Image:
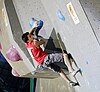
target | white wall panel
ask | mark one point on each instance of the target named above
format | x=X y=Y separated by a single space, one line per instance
x=79 y=39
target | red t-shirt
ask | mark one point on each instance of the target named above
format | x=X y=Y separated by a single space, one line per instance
x=37 y=53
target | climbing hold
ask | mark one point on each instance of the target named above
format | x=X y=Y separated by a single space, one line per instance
x=14 y=73
x=13 y=55
x=60 y=15
x=40 y=23
x=31 y=23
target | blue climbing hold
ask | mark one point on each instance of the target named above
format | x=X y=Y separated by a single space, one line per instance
x=31 y=23
x=40 y=23
x=60 y=15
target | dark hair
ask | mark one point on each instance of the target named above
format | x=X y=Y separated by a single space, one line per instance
x=25 y=37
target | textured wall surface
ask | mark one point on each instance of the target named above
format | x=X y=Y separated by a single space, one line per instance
x=80 y=39
x=13 y=26
x=92 y=10
x=32 y=9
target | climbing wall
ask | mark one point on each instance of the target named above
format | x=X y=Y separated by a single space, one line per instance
x=14 y=28
x=92 y=10
x=32 y=9
x=78 y=29
x=79 y=32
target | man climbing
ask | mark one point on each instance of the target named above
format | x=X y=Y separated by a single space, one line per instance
x=41 y=57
